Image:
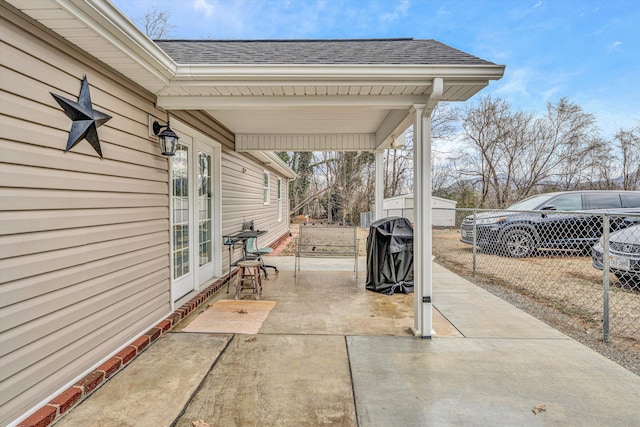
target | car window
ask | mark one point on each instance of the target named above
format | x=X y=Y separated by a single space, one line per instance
x=604 y=201
x=567 y=202
x=530 y=203
x=633 y=200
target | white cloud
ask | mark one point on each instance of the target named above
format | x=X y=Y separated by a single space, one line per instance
x=549 y=94
x=203 y=5
x=515 y=82
x=399 y=12
x=614 y=46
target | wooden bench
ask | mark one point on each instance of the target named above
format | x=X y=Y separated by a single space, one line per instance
x=326 y=241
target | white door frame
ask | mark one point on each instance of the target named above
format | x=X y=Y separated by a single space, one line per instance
x=197 y=141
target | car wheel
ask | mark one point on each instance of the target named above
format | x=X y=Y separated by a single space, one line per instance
x=518 y=243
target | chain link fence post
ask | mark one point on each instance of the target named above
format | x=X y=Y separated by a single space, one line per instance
x=606 y=262
x=473 y=268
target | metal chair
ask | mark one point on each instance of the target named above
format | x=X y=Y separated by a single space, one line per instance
x=252 y=252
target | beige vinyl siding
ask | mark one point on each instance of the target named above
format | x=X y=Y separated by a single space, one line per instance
x=84 y=241
x=242 y=197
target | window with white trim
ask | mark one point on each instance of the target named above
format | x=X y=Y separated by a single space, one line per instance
x=266 y=194
x=279 y=200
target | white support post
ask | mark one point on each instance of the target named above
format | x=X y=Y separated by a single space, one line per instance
x=422 y=268
x=379 y=194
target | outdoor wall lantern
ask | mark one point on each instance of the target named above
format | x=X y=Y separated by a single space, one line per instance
x=167 y=139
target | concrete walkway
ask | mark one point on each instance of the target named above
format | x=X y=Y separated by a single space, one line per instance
x=332 y=353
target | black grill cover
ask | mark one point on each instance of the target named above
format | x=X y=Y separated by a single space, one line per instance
x=390 y=256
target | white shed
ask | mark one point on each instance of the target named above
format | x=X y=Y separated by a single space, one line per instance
x=443 y=210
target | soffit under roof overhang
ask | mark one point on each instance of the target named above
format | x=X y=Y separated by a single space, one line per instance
x=267 y=106
x=308 y=107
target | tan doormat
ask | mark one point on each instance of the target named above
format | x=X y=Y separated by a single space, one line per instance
x=232 y=317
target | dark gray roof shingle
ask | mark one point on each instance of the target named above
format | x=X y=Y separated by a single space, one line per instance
x=314 y=52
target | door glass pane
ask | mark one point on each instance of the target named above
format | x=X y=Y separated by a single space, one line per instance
x=204 y=207
x=180 y=196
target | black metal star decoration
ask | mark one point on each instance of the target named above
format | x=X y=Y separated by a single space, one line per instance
x=86 y=120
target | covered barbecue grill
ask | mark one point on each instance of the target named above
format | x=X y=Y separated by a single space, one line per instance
x=390 y=256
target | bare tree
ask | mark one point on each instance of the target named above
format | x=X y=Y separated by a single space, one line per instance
x=602 y=169
x=300 y=194
x=563 y=140
x=398 y=165
x=628 y=142
x=155 y=24
x=444 y=121
x=500 y=156
x=489 y=129
x=399 y=161
x=514 y=154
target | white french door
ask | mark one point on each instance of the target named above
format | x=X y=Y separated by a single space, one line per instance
x=194 y=201
x=204 y=189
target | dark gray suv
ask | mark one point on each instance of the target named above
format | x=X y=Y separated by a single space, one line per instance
x=556 y=222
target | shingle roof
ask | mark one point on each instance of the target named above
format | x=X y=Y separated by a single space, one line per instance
x=315 y=52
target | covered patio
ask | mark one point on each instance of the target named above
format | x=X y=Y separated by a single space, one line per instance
x=332 y=353
x=290 y=95
x=332 y=95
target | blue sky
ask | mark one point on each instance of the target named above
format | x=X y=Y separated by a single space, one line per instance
x=586 y=50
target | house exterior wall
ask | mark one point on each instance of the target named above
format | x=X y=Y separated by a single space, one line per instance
x=84 y=241
x=242 y=200
x=242 y=197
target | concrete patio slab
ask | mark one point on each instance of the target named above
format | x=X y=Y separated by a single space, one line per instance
x=333 y=353
x=340 y=305
x=287 y=263
x=476 y=313
x=277 y=380
x=484 y=315
x=444 y=280
x=153 y=389
x=488 y=382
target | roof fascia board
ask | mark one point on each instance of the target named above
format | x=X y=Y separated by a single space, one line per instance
x=214 y=82
x=279 y=101
x=300 y=82
x=106 y=20
x=330 y=72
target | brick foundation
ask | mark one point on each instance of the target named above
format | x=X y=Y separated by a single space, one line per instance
x=279 y=244
x=69 y=398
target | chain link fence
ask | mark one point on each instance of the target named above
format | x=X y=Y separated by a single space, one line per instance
x=578 y=272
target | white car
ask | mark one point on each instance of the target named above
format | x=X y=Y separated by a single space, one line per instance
x=624 y=255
